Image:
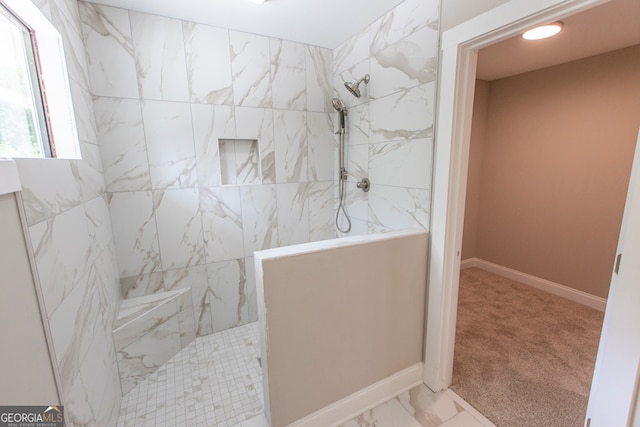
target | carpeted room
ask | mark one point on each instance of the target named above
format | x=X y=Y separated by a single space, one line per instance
x=549 y=165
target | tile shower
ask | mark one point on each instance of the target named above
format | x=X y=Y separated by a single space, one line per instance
x=148 y=209
x=187 y=213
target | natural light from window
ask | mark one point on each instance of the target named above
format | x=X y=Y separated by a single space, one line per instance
x=36 y=110
x=21 y=107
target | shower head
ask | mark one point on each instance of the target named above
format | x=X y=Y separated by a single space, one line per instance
x=354 y=88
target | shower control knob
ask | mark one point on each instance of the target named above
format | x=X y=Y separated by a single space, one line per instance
x=364 y=185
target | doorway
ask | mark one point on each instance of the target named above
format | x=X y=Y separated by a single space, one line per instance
x=459 y=56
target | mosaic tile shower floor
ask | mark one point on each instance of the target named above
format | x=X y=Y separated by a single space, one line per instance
x=214 y=381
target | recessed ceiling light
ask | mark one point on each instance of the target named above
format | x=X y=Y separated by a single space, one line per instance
x=543 y=31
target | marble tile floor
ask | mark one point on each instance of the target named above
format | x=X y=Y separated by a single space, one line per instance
x=214 y=381
x=217 y=381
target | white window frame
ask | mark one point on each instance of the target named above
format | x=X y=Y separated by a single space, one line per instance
x=54 y=81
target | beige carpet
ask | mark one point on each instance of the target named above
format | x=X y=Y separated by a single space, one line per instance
x=523 y=357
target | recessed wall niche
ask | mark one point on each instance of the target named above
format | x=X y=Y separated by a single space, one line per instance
x=239 y=161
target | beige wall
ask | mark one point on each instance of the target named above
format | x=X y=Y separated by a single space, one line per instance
x=555 y=167
x=338 y=316
x=26 y=369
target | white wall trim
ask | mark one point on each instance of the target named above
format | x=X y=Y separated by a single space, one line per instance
x=536 y=282
x=469 y=263
x=353 y=405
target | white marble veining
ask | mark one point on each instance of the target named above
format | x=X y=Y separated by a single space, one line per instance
x=83 y=111
x=428 y=408
x=109 y=48
x=44 y=198
x=248 y=161
x=357 y=162
x=318 y=78
x=81 y=306
x=122 y=144
x=210 y=124
x=98 y=221
x=92 y=392
x=321 y=211
x=66 y=18
x=288 y=75
x=135 y=233
x=149 y=331
x=403 y=115
x=251 y=67
x=160 y=60
x=252 y=298
x=239 y=161
x=186 y=319
x=357 y=201
x=62 y=252
x=145 y=345
x=402 y=163
x=133 y=310
x=89 y=171
x=352 y=51
x=208 y=63
x=407 y=63
x=145 y=284
x=293 y=213
x=320 y=145
x=227 y=294
x=257 y=123
x=170 y=144
x=420 y=407
x=179 y=227
x=202 y=299
x=259 y=217
x=403 y=21
x=291 y=145
x=390 y=413
x=358 y=123
x=222 y=223
x=399 y=207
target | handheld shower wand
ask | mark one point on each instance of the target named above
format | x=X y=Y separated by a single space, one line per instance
x=342 y=171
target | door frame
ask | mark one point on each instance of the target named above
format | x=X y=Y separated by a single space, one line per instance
x=458 y=58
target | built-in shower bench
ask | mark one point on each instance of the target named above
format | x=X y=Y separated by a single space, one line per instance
x=149 y=330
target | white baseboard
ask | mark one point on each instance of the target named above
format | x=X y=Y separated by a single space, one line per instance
x=469 y=263
x=536 y=282
x=363 y=400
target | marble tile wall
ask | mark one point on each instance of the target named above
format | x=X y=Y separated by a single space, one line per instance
x=150 y=330
x=68 y=218
x=178 y=89
x=389 y=134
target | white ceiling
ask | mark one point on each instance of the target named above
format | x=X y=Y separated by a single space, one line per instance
x=598 y=30
x=325 y=23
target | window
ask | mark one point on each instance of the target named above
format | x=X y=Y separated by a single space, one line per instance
x=36 y=111
x=23 y=127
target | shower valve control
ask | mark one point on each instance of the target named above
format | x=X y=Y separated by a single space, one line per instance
x=364 y=185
